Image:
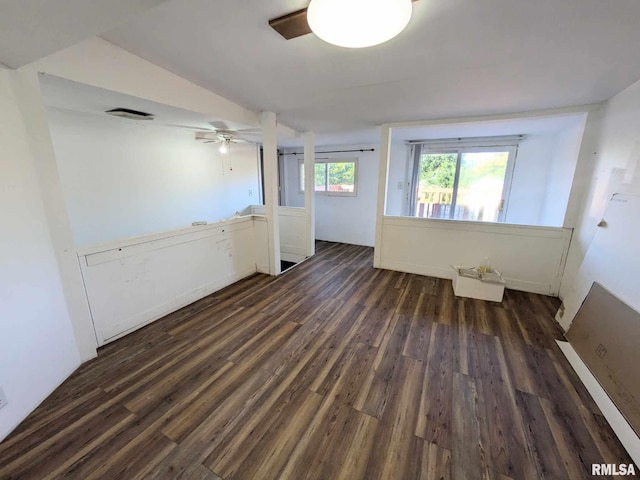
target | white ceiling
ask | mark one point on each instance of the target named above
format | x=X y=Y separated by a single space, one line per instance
x=543 y=125
x=69 y=95
x=457 y=58
x=32 y=29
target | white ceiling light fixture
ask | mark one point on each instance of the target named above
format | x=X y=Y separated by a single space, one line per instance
x=224 y=146
x=358 y=23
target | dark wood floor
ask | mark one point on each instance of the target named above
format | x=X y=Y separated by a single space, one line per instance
x=334 y=370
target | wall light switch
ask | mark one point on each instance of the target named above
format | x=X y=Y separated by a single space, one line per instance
x=400 y=185
x=251 y=193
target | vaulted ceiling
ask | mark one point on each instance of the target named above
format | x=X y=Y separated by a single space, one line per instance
x=32 y=29
x=456 y=58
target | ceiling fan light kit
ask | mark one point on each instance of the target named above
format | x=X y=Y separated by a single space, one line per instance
x=358 y=23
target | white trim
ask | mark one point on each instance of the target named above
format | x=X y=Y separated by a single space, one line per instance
x=552 y=112
x=145 y=239
x=309 y=197
x=269 y=123
x=461 y=142
x=383 y=180
x=473 y=226
x=630 y=441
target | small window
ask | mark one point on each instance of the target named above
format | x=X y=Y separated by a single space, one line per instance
x=466 y=183
x=332 y=177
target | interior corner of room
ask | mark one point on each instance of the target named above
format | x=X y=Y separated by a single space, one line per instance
x=112 y=222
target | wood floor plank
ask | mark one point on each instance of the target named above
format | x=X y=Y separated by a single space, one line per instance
x=434 y=419
x=393 y=454
x=435 y=463
x=465 y=431
x=182 y=461
x=265 y=451
x=203 y=473
x=331 y=370
x=354 y=453
x=419 y=335
x=543 y=451
x=44 y=456
x=374 y=400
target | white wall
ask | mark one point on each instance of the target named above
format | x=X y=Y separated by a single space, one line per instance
x=37 y=345
x=399 y=183
x=609 y=163
x=341 y=219
x=531 y=174
x=560 y=180
x=123 y=178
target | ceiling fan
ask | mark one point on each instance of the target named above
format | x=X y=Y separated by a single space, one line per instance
x=294 y=24
x=225 y=136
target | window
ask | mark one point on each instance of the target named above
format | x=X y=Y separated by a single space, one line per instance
x=462 y=182
x=332 y=177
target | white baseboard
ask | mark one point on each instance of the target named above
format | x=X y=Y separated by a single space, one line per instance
x=622 y=429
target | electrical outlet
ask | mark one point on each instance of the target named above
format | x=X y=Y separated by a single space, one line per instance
x=3 y=399
x=250 y=193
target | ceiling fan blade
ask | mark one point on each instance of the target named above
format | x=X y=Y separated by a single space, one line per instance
x=219 y=125
x=294 y=24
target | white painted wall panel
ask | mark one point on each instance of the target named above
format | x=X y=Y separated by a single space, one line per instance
x=261 y=244
x=530 y=258
x=132 y=283
x=294 y=233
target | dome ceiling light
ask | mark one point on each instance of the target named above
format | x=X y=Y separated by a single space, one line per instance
x=358 y=23
x=348 y=23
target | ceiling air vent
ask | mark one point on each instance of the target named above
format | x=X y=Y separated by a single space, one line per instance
x=131 y=114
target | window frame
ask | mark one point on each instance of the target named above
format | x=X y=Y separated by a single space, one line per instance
x=327 y=192
x=464 y=147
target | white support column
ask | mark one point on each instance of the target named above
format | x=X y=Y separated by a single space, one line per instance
x=270 y=158
x=309 y=188
x=27 y=87
x=383 y=176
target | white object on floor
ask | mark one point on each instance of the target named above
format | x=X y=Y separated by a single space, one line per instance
x=475 y=288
